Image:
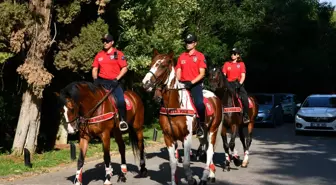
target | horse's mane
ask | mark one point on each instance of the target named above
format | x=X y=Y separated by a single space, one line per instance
x=72 y=91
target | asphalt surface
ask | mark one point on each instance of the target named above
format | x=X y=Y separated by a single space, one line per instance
x=277 y=156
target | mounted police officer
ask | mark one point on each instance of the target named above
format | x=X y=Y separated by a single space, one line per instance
x=235 y=72
x=112 y=66
x=190 y=70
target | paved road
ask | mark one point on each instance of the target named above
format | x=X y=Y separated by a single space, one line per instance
x=277 y=157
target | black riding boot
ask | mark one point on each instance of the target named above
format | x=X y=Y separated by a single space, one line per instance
x=200 y=129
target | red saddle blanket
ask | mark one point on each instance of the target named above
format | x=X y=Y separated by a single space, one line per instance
x=209 y=109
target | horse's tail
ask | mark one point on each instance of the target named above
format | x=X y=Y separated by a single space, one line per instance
x=134 y=141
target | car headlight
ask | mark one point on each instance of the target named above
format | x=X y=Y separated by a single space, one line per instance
x=298 y=116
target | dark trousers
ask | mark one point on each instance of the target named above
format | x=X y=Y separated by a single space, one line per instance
x=243 y=94
x=118 y=93
x=197 y=95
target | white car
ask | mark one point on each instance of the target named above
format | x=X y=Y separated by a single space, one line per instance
x=317 y=113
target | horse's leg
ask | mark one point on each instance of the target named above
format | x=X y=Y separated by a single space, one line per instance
x=186 y=160
x=172 y=158
x=248 y=144
x=232 y=144
x=107 y=159
x=83 y=145
x=143 y=169
x=121 y=146
x=209 y=170
x=242 y=137
x=226 y=149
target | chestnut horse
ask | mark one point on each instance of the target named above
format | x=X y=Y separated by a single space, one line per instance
x=178 y=116
x=232 y=110
x=92 y=111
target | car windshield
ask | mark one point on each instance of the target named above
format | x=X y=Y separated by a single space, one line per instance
x=264 y=99
x=329 y=102
x=286 y=99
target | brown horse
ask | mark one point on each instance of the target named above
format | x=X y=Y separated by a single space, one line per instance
x=178 y=116
x=232 y=110
x=91 y=110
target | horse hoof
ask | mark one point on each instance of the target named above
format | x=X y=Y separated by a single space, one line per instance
x=192 y=182
x=212 y=179
x=237 y=162
x=244 y=165
x=144 y=172
x=202 y=182
x=121 y=178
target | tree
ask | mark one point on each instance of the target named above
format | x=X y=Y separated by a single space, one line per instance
x=33 y=71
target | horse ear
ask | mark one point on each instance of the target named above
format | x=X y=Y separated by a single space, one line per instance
x=155 y=52
x=171 y=53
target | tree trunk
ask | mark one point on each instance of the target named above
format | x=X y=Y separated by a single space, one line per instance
x=37 y=78
x=28 y=125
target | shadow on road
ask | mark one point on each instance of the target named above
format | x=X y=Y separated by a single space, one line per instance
x=308 y=157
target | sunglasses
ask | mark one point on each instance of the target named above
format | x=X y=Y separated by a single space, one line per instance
x=190 y=42
x=105 y=41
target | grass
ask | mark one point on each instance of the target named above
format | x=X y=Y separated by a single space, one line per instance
x=11 y=165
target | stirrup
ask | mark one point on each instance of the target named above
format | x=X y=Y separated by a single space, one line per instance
x=123 y=123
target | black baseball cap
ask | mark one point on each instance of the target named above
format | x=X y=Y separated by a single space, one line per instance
x=190 y=38
x=107 y=37
x=235 y=50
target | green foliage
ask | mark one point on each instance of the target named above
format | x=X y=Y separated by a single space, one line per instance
x=78 y=54
x=14 y=17
x=154 y=24
x=4 y=56
x=66 y=13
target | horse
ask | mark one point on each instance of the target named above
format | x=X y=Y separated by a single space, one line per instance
x=92 y=111
x=232 y=110
x=178 y=116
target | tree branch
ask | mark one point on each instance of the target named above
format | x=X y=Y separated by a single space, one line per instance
x=53 y=40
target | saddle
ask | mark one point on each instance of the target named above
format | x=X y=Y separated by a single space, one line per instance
x=238 y=108
x=188 y=107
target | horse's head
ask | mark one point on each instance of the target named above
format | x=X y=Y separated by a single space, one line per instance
x=70 y=110
x=70 y=103
x=160 y=69
x=216 y=78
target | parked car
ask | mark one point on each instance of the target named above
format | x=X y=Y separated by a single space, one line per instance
x=317 y=113
x=270 y=110
x=288 y=102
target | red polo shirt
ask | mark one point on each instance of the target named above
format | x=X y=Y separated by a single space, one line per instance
x=233 y=71
x=109 y=67
x=190 y=65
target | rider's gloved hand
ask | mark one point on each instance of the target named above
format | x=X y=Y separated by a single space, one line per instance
x=187 y=84
x=115 y=83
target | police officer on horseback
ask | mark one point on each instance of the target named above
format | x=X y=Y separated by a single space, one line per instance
x=235 y=72
x=112 y=66
x=190 y=71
